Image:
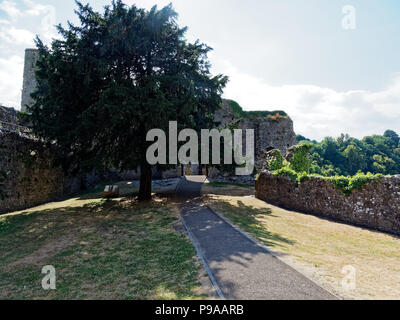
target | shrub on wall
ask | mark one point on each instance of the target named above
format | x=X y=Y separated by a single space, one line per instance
x=300 y=157
x=342 y=183
x=286 y=171
x=275 y=160
x=299 y=166
x=240 y=113
x=357 y=182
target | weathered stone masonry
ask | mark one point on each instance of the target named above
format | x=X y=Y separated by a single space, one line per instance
x=377 y=206
x=28 y=174
x=269 y=134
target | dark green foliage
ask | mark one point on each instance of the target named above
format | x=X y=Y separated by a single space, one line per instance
x=346 y=155
x=301 y=138
x=237 y=109
x=356 y=182
x=286 y=171
x=393 y=136
x=113 y=78
x=342 y=183
x=275 y=160
x=300 y=160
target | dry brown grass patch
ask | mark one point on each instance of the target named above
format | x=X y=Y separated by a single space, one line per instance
x=318 y=247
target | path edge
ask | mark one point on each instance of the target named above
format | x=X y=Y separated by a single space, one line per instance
x=269 y=251
x=203 y=259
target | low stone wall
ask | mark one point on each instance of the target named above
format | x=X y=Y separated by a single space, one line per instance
x=377 y=206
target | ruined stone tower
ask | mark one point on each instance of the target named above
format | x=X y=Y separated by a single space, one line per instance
x=271 y=132
x=29 y=82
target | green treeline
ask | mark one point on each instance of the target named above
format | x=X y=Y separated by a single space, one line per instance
x=297 y=166
x=346 y=155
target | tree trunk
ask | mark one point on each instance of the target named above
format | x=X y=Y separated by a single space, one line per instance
x=145 y=182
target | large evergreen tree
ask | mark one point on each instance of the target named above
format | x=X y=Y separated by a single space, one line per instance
x=113 y=78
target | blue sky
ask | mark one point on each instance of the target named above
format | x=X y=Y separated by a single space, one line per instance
x=284 y=54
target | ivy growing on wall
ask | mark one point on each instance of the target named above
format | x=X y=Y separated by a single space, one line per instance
x=297 y=167
x=345 y=184
x=356 y=182
x=299 y=157
x=275 y=160
x=240 y=113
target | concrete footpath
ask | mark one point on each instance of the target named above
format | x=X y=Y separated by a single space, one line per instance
x=238 y=267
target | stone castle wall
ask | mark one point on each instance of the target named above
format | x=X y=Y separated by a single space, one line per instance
x=28 y=176
x=377 y=206
x=269 y=134
x=8 y=117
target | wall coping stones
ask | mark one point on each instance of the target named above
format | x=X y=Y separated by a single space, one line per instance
x=376 y=206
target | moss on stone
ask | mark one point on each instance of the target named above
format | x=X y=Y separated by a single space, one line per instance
x=240 y=113
x=345 y=184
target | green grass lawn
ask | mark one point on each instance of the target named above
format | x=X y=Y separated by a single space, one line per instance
x=116 y=249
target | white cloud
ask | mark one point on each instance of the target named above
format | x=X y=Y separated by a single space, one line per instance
x=24 y=20
x=11 y=71
x=17 y=36
x=319 y=112
x=47 y=15
x=35 y=9
x=10 y=8
x=23 y=25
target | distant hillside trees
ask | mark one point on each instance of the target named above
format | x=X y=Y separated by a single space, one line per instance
x=347 y=156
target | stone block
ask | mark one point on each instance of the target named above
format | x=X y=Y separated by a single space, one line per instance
x=111 y=191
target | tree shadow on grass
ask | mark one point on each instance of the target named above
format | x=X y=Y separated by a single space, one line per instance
x=247 y=218
x=228 y=189
x=111 y=242
x=127 y=190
